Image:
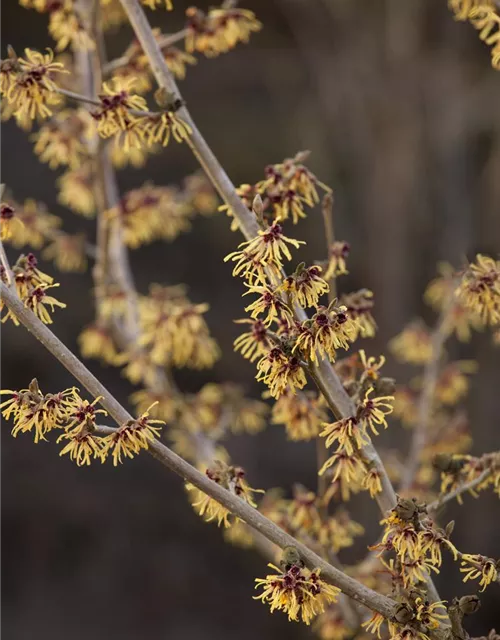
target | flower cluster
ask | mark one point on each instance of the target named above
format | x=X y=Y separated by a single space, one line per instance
x=124 y=115
x=32 y=286
x=458 y=470
x=132 y=437
x=174 y=331
x=152 y=213
x=9 y=221
x=301 y=517
x=62 y=139
x=350 y=435
x=28 y=85
x=413 y=344
x=33 y=411
x=296 y=591
x=479 y=289
x=359 y=306
x=230 y=478
x=137 y=66
x=66 y=23
x=417 y=544
x=302 y=414
x=219 y=408
x=34 y=224
x=287 y=189
x=219 y=30
x=459 y=319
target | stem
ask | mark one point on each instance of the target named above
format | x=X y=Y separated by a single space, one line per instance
x=327 y=211
x=96 y=102
x=321 y=449
x=164 y=42
x=6 y=265
x=435 y=506
x=430 y=378
x=168 y=458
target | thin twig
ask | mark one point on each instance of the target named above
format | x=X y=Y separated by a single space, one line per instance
x=435 y=506
x=233 y=503
x=78 y=97
x=164 y=41
x=321 y=448
x=424 y=409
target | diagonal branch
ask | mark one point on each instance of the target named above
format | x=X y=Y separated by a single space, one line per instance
x=435 y=506
x=236 y=505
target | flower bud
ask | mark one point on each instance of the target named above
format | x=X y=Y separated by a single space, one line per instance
x=469 y=605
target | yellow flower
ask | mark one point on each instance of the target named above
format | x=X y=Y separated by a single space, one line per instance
x=132 y=437
x=359 y=306
x=231 y=478
x=219 y=30
x=413 y=344
x=82 y=446
x=160 y=404
x=331 y=625
x=269 y=247
x=332 y=329
x=151 y=213
x=479 y=289
x=68 y=252
x=176 y=333
x=28 y=277
x=159 y=128
x=81 y=413
x=254 y=343
x=477 y=566
x=200 y=193
x=338 y=532
x=372 y=482
x=417 y=570
x=373 y=411
x=300 y=413
x=297 y=592
x=338 y=253
x=239 y=534
x=269 y=303
x=280 y=372
x=347 y=433
x=374 y=624
x=114 y=115
x=38 y=301
x=77 y=188
x=28 y=85
x=67 y=28
x=152 y=4
x=9 y=221
x=96 y=341
x=33 y=411
x=305 y=286
x=61 y=141
x=37 y=225
x=426 y=612
x=348 y=467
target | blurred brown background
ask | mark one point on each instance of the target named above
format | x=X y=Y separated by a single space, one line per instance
x=400 y=108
